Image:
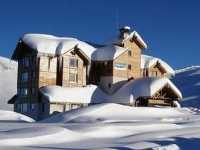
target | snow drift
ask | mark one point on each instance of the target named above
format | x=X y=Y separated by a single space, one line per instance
x=13 y=116
x=8 y=82
x=116 y=113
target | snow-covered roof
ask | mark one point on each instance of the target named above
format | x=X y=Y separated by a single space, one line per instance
x=88 y=94
x=93 y=94
x=137 y=37
x=109 y=52
x=149 y=61
x=50 y=44
x=149 y=87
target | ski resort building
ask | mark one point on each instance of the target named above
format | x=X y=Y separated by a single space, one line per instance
x=57 y=74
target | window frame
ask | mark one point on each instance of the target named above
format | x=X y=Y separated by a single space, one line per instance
x=129 y=67
x=75 y=62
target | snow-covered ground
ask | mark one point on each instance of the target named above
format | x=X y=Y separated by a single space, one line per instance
x=8 y=82
x=104 y=126
x=107 y=126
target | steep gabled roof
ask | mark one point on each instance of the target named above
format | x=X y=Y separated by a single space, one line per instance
x=149 y=61
x=136 y=36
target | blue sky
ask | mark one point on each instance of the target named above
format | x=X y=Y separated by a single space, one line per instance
x=171 y=28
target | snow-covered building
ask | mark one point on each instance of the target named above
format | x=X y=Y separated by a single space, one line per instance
x=63 y=73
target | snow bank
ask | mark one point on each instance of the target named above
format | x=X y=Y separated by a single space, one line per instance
x=149 y=61
x=50 y=44
x=13 y=116
x=38 y=135
x=115 y=113
x=8 y=82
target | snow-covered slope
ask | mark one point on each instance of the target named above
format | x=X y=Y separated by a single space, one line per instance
x=13 y=116
x=8 y=82
x=188 y=81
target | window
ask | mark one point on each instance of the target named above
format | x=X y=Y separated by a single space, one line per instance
x=129 y=66
x=24 y=92
x=43 y=107
x=33 y=107
x=109 y=85
x=73 y=62
x=75 y=106
x=154 y=74
x=129 y=53
x=18 y=91
x=24 y=76
x=33 y=91
x=33 y=75
x=24 y=107
x=120 y=66
x=26 y=61
x=73 y=77
x=18 y=107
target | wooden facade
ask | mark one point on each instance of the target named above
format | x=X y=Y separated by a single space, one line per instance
x=74 y=69
x=36 y=70
x=110 y=75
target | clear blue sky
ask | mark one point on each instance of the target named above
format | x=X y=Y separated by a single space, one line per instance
x=171 y=28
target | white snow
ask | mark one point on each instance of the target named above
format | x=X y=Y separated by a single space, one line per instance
x=149 y=86
x=8 y=82
x=73 y=95
x=188 y=81
x=136 y=35
x=149 y=61
x=112 y=112
x=13 y=116
x=50 y=44
x=109 y=52
x=107 y=126
x=93 y=94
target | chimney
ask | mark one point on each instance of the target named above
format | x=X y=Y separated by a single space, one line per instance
x=124 y=32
